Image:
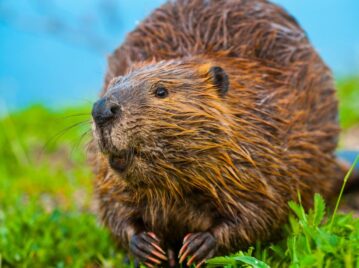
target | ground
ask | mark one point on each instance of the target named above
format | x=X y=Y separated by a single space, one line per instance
x=47 y=212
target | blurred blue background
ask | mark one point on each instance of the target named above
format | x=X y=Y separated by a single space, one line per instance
x=54 y=51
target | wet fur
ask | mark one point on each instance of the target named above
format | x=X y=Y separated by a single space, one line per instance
x=225 y=164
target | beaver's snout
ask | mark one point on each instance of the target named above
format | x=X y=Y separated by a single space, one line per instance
x=105 y=110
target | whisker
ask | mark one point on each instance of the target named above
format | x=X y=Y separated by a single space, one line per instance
x=78 y=143
x=74 y=115
x=62 y=133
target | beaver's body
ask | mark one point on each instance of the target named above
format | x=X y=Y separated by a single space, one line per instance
x=199 y=159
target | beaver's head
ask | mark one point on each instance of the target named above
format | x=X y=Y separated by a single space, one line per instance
x=160 y=123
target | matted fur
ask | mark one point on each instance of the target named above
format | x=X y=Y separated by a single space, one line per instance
x=225 y=164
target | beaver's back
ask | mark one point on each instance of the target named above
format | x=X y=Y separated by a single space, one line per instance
x=242 y=28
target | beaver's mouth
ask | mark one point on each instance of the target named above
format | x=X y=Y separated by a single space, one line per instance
x=122 y=160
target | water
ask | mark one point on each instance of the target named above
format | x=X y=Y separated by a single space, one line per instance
x=54 y=52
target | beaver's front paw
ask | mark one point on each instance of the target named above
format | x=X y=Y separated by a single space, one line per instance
x=145 y=247
x=200 y=246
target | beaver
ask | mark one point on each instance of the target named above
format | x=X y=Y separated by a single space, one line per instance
x=213 y=115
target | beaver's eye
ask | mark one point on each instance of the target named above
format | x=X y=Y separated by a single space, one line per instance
x=161 y=92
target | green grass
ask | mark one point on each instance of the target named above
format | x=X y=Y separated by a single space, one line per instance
x=46 y=217
x=348 y=93
x=47 y=214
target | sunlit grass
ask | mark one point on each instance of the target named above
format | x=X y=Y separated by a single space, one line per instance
x=348 y=93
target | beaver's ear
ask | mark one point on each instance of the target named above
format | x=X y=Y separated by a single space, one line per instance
x=220 y=80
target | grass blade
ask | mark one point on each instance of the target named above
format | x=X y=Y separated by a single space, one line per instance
x=342 y=190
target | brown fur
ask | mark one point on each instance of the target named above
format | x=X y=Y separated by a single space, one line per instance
x=204 y=162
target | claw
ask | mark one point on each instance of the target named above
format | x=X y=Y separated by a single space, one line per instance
x=190 y=261
x=199 y=264
x=187 y=240
x=145 y=248
x=183 y=249
x=186 y=237
x=159 y=255
x=183 y=257
x=153 y=236
x=153 y=260
x=200 y=246
x=158 y=248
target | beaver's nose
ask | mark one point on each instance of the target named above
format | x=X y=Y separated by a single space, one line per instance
x=104 y=110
